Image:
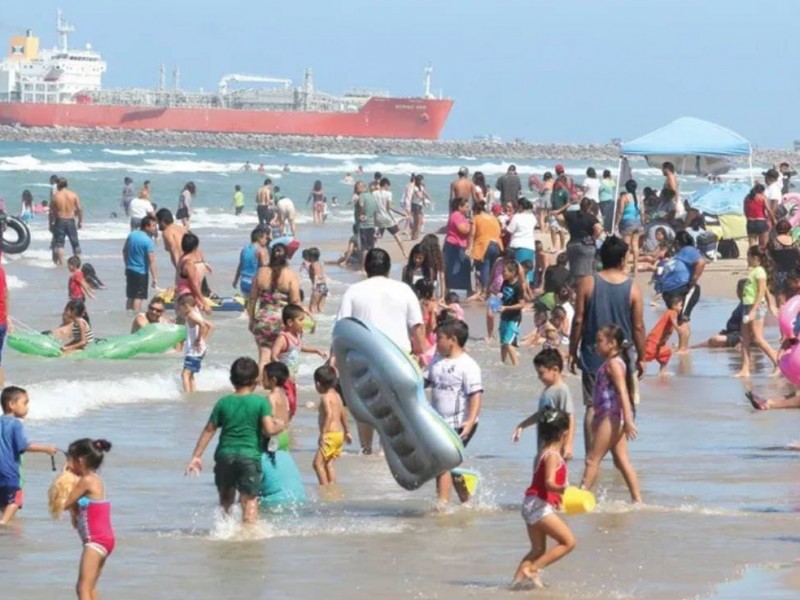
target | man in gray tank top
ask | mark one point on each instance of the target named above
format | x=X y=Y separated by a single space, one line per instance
x=609 y=297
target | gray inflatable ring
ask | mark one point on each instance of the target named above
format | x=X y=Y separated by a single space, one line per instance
x=23 y=235
x=384 y=388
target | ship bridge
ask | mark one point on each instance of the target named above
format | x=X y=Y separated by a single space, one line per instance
x=60 y=75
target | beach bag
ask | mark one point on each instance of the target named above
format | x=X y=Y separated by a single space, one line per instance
x=728 y=249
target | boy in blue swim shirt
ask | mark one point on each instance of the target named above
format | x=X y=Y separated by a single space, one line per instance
x=13 y=444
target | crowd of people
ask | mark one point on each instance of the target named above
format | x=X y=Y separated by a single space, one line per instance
x=580 y=286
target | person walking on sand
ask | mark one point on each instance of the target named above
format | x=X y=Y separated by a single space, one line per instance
x=754 y=296
x=607 y=297
x=65 y=218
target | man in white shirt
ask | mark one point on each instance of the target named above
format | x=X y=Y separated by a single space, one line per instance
x=772 y=179
x=391 y=306
x=138 y=209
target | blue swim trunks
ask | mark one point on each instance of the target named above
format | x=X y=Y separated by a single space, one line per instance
x=193 y=363
x=509 y=331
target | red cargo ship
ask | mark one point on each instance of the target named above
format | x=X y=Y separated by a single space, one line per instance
x=63 y=88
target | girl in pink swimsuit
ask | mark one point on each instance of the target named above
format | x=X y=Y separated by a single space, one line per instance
x=91 y=512
x=613 y=424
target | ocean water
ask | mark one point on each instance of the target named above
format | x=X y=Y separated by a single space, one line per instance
x=720 y=482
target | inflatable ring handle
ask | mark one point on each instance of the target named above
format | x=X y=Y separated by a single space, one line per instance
x=23 y=235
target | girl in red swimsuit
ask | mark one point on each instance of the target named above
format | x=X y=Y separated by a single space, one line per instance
x=543 y=498
x=91 y=512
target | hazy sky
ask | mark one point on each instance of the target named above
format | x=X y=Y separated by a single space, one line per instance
x=564 y=71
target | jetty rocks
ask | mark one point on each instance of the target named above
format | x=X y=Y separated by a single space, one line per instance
x=338 y=145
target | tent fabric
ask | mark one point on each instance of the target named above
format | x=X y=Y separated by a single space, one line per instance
x=688 y=136
x=720 y=198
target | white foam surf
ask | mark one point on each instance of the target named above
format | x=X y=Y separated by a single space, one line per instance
x=68 y=398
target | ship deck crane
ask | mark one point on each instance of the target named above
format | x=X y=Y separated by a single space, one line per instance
x=240 y=78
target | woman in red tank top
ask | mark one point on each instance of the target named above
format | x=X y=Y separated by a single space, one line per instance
x=759 y=216
x=543 y=497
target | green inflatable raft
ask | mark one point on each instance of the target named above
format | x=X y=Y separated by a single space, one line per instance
x=151 y=339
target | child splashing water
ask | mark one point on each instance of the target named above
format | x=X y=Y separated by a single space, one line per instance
x=88 y=499
x=613 y=424
x=542 y=499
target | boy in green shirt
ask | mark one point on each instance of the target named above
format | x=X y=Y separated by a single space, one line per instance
x=244 y=419
x=238 y=200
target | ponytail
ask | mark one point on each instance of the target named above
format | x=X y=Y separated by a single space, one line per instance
x=90 y=451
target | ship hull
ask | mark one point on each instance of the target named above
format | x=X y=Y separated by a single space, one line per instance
x=410 y=118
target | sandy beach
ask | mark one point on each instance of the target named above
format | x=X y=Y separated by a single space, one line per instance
x=718 y=479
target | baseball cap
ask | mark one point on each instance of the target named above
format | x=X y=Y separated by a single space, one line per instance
x=463 y=171
x=559 y=169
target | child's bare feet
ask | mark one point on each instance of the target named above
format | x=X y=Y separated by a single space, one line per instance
x=742 y=374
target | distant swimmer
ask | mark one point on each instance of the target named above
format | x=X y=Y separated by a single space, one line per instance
x=261 y=168
x=65 y=218
x=360 y=170
x=463 y=186
x=334 y=201
x=247 y=166
x=127 y=194
x=286 y=168
x=184 y=212
x=348 y=179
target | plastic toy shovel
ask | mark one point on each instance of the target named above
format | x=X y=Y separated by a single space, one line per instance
x=576 y=501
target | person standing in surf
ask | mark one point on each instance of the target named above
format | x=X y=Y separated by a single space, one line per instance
x=65 y=218
x=184 y=212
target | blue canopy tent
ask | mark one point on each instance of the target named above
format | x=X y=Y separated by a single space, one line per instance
x=694 y=146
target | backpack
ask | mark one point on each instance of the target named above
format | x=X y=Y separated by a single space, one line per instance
x=728 y=249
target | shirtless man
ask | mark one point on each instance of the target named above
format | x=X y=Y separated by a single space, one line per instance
x=172 y=234
x=264 y=203
x=64 y=210
x=463 y=186
x=154 y=314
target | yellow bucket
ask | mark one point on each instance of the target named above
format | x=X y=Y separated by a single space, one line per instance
x=576 y=501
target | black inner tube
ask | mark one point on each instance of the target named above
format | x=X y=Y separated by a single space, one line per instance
x=23 y=235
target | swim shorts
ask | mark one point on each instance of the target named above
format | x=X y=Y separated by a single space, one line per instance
x=416 y=209
x=238 y=472
x=265 y=214
x=182 y=213
x=732 y=338
x=320 y=288
x=367 y=239
x=332 y=444
x=460 y=430
x=135 y=285
x=10 y=495
x=63 y=229
x=193 y=363
x=534 y=509
x=509 y=332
